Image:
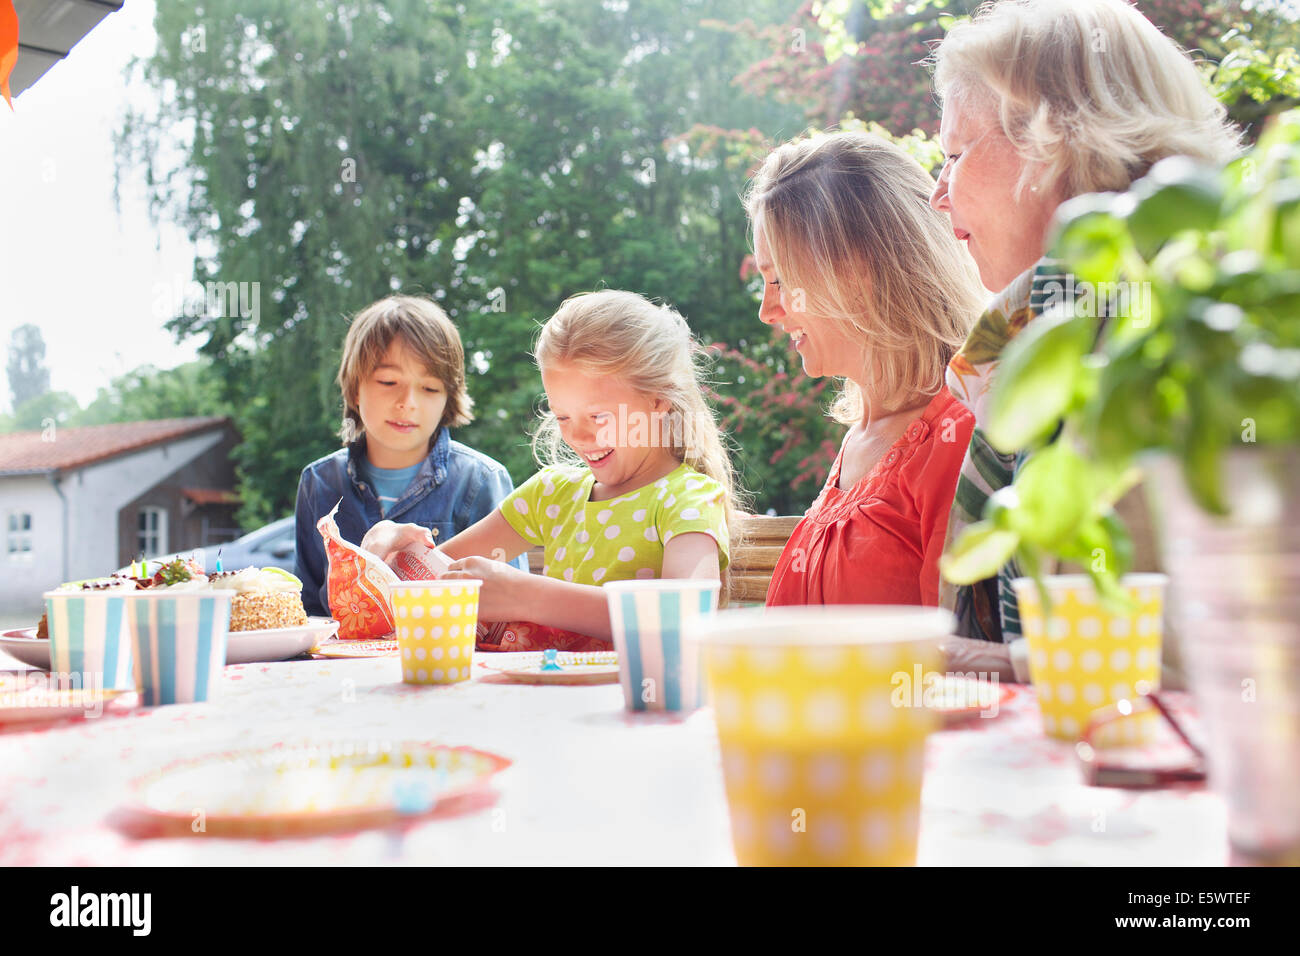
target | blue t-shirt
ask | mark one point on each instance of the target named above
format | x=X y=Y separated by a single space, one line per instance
x=453 y=488
x=389 y=483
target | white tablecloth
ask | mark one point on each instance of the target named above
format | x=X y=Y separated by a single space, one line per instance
x=590 y=784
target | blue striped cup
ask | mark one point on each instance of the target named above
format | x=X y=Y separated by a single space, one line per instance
x=179 y=643
x=657 y=670
x=88 y=637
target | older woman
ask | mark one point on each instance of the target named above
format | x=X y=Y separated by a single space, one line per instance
x=1042 y=101
x=873 y=288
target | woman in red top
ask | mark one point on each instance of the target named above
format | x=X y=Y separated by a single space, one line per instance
x=872 y=286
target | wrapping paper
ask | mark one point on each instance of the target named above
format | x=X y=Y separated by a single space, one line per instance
x=359 y=584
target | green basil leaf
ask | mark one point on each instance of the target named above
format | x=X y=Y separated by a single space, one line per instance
x=1125 y=417
x=1092 y=238
x=978 y=553
x=1054 y=491
x=1175 y=196
x=1202 y=454
x=1036 y=379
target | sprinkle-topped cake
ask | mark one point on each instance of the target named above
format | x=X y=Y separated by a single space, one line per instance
x=265 y=598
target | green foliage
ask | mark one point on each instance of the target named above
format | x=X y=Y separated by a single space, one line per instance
x=143 y=394
x=149 y=393
x=37 y=412
x=1213 y=364
x=495 y=157
x=844 y=58
x=1258 y=71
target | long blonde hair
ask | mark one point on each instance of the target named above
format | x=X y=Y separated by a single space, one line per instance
x=650 y=347
x=1089 y=91
x=848 y=222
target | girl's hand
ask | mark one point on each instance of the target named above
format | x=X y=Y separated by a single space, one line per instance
x=386 y=538
x=503 y=594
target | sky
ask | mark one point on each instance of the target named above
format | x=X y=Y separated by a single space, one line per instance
x=89 y=276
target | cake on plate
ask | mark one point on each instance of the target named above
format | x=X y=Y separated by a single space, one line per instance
x=265 y=598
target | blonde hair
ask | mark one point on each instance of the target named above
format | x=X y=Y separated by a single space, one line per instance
x=1088 y=91
x=424 y=329
x=848 y=222
x=650 y=347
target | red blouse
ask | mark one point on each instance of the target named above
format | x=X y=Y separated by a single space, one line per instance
x=879 y=542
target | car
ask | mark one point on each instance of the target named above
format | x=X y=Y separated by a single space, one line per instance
x=271 y=546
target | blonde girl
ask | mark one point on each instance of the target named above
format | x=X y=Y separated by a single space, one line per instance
x=635 y=481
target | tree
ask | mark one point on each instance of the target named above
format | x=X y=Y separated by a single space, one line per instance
x=146 y=393
x=28 y=376
x=496 y=159
x=143 y=394
x=863 y=57
x=39 y=411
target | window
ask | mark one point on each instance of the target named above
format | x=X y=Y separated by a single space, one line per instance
x=151 y=536
x=19 y=536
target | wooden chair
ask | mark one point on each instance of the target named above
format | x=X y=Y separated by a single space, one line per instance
x=755 y=560
x=751 y=565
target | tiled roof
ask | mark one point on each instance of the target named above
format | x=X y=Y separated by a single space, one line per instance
x=211 y=496
x=70 y=448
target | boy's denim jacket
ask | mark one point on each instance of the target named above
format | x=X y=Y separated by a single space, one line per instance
x=455 y=487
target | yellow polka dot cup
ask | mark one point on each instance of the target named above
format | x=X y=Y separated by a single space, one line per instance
x=822 y=750
x=1084 y=656
x=436 y=621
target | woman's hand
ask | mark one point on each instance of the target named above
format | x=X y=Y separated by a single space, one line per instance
x=503 y=594
x=387 y=538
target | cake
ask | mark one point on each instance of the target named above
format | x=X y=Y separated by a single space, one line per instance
x=177 y=573
x=265 y=598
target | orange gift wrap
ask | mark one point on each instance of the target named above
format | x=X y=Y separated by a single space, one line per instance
x=360 y=586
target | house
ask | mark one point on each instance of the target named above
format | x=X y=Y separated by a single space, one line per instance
x=80 y=502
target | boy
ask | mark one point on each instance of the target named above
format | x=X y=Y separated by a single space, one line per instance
x=403 y=382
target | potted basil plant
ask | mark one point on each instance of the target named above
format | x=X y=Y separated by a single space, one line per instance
x=1176 y=353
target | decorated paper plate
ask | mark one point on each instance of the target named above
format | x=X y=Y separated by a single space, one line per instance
x=24 y=645
x=958 y=698
x=309 y=788
x=33 y=704
x=357 y=649
x=279 y=644
x=526 y=667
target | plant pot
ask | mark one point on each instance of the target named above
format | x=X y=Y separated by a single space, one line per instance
x=1234 y=599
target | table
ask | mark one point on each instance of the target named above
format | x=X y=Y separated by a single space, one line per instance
x=590 y=784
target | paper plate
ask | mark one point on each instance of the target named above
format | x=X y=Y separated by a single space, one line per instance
x=357 y=649
x=957 y=698
x=525 y=667
x=278 y=644
x=33 y=704
x=308 y=788
x=24 y=645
